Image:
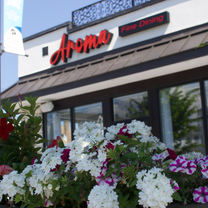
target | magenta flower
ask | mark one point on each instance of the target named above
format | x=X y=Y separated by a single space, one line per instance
x=161 y=156
x=179 y=164
x=110 y=181
x=199 y=161
x=201 y=195
x=204 y=170
x=175 y=185
x=48 y=202
x=189 y=167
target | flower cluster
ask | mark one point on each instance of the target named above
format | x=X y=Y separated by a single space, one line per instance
x=156 y=190
x=120 y=166
x=103 y=196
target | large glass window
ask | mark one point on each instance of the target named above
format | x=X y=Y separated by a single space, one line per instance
x=181 y=118
x=92 y=112
x=131 y=106
x=206 y=91
x=59 y=124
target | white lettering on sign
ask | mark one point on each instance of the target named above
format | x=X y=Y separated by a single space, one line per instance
x=14 y=3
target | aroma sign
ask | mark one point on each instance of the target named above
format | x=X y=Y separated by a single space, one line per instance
x=68 y=46
x=144 y=24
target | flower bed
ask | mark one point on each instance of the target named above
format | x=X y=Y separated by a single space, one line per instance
x=124 y=167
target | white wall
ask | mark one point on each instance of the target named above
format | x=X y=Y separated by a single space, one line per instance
x=183 y=14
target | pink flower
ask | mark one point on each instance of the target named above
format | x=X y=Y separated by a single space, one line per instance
x=159 y=156
x=179 y=164
x=199 y=161
x=204 y=170
x=176 y=186
x=48 y=202
x=5 y=170
x=110 y=181
x=189 y=167
x=201 y=195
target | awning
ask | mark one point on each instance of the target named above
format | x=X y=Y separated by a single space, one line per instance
x=167 y=50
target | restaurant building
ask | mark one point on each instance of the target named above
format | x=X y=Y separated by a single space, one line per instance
x=120 y=60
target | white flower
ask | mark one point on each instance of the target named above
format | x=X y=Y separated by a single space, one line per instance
x=103 y=197
x=50 y=158
x=102 y=156
x=155 y=187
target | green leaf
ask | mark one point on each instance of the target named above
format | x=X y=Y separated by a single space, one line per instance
x=20 y=118
x=41 y=141
x=117 y=164
x=202 y=45
x=130 y=155
x=118 y=172
x=126 y=197
x=23 y=205
x=76 y=197
x=109 y=172
x=133 y=183
x=31 y=206
x=176 y=196
x=147 y=159
x=123 y=138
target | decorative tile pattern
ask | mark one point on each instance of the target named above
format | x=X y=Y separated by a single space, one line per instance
x=103 y=9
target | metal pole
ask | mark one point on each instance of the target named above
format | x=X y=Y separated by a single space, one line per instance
x=1 y=50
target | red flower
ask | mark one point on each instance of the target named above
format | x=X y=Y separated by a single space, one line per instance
x=5 y=128
x=33 y=160
x=5 y=170
x=54 y=142
x=172 y=154
x=110 y=146
x=124 y=133
x=65 y=156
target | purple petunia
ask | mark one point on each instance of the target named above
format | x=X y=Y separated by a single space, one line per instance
x=201 y=195
x=161 y=156
x=189 y=167
x=179 y=164
x=204 y=170
x=175 y=185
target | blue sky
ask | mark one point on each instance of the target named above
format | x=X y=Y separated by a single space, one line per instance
x=38 y=15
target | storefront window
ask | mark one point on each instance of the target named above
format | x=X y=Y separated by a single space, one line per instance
x=181 y=118
x=92 y=112
x=59 y=124
x=131 y=106
x=206 y=90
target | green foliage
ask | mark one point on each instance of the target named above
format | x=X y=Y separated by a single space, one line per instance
x=183 y=109
x=202 y=45
x=20 y=147
x=136 y=109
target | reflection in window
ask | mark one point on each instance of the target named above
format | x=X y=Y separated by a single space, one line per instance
x=92 y=112
x=59 y=124
x=131 y=106
x=206 y=90
x=181 y=118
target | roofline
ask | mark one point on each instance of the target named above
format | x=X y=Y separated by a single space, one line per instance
x=73 y=28
x=115 y=51
x=44 y=32
x=176 y=58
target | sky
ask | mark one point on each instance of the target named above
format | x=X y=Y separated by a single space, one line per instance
x=38 y=15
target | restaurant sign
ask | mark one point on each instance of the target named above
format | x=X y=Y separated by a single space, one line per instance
x=68 y=46
x=144 y=24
